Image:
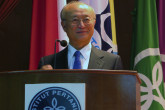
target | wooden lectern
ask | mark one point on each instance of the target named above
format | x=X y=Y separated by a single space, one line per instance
x=105 y=89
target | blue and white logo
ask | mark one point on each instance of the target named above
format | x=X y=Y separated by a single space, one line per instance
x=54 y=98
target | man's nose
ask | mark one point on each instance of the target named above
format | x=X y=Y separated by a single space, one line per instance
x=81 y=24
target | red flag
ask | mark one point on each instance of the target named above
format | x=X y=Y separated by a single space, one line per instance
x=44 y=30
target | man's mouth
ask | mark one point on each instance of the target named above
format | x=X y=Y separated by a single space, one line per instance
x=81 y=32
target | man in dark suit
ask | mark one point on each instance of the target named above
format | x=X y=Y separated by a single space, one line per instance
x=78 y=21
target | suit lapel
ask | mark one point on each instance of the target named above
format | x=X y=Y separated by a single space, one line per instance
x=95 y=61
x=62 y=59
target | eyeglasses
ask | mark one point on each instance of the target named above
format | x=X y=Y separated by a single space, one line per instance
x=76 y=21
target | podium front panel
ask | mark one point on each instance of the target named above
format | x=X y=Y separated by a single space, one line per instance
x=105 y=90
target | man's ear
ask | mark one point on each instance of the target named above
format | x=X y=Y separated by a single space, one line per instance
x=95 y=22
x=63 y=24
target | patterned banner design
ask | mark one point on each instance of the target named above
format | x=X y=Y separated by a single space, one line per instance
x=146 y=55
x=104 y=28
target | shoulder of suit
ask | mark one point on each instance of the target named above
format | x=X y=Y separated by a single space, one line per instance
x=103 y=53
x=59 y=53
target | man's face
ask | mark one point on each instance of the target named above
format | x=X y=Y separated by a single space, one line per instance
x=79 y=24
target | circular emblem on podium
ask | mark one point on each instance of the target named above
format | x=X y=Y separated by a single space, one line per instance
x=54 y=98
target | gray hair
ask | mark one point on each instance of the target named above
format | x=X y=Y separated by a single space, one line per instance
x=62 y=14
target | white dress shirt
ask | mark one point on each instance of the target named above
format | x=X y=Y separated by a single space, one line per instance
x=84 y=58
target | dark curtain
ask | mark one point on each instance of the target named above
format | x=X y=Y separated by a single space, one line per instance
x=6 y=7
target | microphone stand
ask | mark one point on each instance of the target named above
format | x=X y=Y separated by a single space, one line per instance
x=62 y=43
x=55 y=54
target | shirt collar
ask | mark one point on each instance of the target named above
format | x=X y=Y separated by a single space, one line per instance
x=85 y=51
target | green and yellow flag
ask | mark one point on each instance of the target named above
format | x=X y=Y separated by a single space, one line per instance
x=145 y=58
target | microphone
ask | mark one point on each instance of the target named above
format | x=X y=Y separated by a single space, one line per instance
x=63 y=43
